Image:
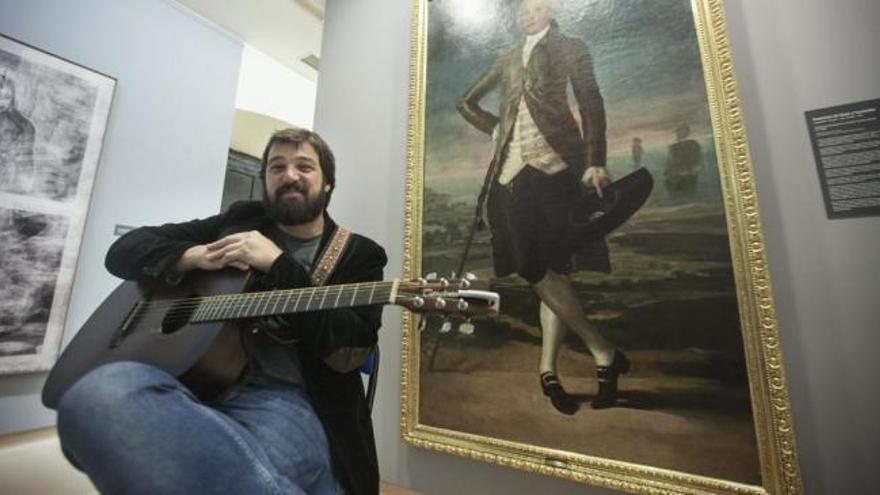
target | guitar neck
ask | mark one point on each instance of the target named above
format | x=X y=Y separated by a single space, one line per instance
x=279 y=302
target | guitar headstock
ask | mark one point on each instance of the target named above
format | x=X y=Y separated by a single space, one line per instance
x=461 y=297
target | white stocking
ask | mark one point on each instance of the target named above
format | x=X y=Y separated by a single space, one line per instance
x=552 y=333
x=557 y=293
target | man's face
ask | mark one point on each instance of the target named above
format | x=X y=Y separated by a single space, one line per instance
x=535 y=15
x=6 y=96
x=295 y=188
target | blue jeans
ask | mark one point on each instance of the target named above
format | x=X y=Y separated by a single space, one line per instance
x=135 y=429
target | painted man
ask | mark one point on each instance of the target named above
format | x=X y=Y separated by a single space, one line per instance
x=541 y=156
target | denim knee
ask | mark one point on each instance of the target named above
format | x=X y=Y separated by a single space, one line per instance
x=107 y=392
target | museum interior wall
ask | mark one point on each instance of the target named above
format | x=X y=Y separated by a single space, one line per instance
x=791 y=56
x=165 y=149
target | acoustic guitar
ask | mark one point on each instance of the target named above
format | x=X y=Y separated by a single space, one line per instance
x=193 y=330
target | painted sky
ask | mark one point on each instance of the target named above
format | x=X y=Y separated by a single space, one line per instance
x=646 y=57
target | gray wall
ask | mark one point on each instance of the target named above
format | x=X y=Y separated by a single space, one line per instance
x=164 y=153
x=792 y=56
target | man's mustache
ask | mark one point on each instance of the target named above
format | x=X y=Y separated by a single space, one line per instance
x=294 y=186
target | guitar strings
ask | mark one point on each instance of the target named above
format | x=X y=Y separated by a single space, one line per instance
x=249 y=297
x=275 y=296
x=236 y=301
x=237 y=310
x=176 y=315
x=183 y=309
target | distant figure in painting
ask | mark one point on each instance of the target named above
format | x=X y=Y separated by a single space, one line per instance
x=541 y=156
x=637 y=152
x=683 y=164
x=16 y=143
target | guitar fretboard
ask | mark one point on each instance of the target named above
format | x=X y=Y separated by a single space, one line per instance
x=277 y=302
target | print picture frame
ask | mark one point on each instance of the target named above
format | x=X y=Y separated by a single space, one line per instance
x=53 y=117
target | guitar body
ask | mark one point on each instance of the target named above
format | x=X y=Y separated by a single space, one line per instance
x=135 y=323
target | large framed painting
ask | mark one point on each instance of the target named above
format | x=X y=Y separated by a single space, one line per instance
x=587 y=160
x=53 y=113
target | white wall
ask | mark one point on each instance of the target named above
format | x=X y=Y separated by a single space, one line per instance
x=792 y=56
x=269 y=88
x=164 y=153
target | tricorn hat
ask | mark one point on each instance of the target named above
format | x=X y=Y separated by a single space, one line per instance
x=592 y=218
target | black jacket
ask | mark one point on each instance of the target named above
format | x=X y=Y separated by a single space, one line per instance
x=336 y=391
x=556 y=61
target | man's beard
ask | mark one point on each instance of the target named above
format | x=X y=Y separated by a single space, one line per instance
x=295 y=212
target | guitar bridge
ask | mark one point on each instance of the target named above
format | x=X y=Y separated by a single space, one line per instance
x=125 y=329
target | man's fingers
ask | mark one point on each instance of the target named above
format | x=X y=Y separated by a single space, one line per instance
x=240 y=265
x=223 y=242
x=222 y=251
x=232 y=254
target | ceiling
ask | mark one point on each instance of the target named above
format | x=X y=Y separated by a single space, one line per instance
x=286 y=30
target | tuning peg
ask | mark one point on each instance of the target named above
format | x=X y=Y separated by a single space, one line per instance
x=444 y=283
x=431 y=276
x=469 y=276
x=466 y=328
x=418 y=302
x=423 y=323
x=462 y=305
x=440 y=303
x=446 y=327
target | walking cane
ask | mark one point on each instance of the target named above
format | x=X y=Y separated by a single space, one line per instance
x=477 y=224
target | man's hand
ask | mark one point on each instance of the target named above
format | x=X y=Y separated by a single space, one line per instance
x=196 y=257
x=244 y=251
x=598 y=177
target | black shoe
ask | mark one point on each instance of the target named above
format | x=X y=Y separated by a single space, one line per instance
x=560 y=399
x=607 y=377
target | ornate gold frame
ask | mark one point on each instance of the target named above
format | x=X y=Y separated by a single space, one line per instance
x=770 y=399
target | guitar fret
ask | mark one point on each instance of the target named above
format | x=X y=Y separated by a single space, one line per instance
x=214 y=309
x=372 y=291
x=207 y=307
x=311 y=296
x=220 y=308
x=353 y=295
x=321 y=304
x=274 y=299
x=261 y=299
x=253 y=305
x=195 y=316
x=224 y=306
x=277 y=300
x=244 y=305
x=299 y=294
x=336 y=302
x=239 y=306
x=234 y=306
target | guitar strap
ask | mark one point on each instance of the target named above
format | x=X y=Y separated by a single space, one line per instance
x=330 y=256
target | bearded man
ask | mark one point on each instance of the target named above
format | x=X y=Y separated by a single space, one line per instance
x=297 y=420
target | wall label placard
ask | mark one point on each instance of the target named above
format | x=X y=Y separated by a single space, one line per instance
x=846 y=146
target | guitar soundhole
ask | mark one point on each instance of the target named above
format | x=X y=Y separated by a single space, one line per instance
x=177 y=317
